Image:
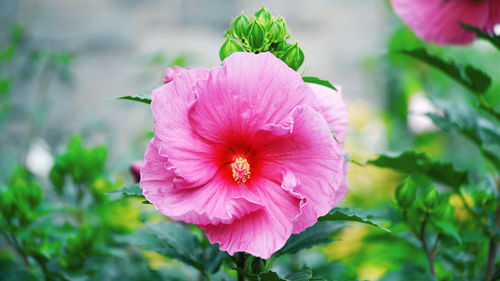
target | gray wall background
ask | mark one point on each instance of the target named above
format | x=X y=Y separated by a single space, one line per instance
x=113 y=41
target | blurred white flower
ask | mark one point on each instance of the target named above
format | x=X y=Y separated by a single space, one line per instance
x=496 y=29
x=417 y=121
x=39 y=160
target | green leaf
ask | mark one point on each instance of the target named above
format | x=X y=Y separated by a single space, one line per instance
x=212 y=258
x=470 y=77
x=303 y=275
x=130 y=190
x=13 y=271
x=267 y=276
x=492 y=38
x=138 y=98
x=412 y=162
x=447 y=228
x=345 y=214
x=172 y=240
x=316 y=80
x=320 y=233
x=464 y=120
x=270 y=276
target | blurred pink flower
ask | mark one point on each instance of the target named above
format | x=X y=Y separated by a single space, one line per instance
x=245 y=152
x=439 y=21
x=135 y=170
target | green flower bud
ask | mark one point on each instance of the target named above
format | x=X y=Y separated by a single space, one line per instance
x=273 y=33
x=239 y=26
x=7 y=205
x=228 y=47
x=406 y=194
x=431 y=199
x=57 y=176
x=444 y=211
x=282 y=29
x=34 y=195
x=263 y=16
x=256 y=36
x=292 y=55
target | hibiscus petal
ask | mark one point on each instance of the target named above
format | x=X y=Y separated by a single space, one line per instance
x=265 y=231
x=333 y=108
x=305 y=146
x=342 y=190
x=215 y=202
x=175 y=70
x=249 y=91
x=438 y=20
x=190 y=157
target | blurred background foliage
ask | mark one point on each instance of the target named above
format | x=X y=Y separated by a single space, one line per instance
x=61 y=157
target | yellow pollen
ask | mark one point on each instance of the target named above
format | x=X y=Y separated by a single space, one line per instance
x=241 y=170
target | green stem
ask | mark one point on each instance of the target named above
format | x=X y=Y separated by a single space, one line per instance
x=11 y=239
x=493 y=246
x=240 y=263
x=43 y=266
x=429 y=254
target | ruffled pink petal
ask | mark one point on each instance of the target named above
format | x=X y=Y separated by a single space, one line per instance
x=333 y=108
x=438 y=20
x=265 y=231
x=215 y=202
x=172 y=71
x=250 y=90
x=190 y=156
x=305 y=146
x=342 y=190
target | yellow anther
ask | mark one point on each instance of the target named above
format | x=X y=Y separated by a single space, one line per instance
x=241 y=169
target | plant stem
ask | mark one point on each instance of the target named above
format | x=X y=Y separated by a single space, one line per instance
x=493 y=247
x=240 y=263
x=428 y=252
x=11 y=239
x=43 y=266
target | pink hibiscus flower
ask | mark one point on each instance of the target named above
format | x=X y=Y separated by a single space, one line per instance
x=439 y=21
x=245 y=151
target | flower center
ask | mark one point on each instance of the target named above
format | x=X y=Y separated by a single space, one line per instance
x=241 y=169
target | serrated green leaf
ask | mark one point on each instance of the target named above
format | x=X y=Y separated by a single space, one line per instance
x=470 y=77
x=138 y=98
x=492 y=38
x=448 y=229
x=412 y=162
x=320 y=233
x=480 y=131
x=467 y=122
x=267 y=276
x=172 y=240
x=345 y=214
x=303 y=275
x=213 y=258
x=130 y=190
x=316 y=80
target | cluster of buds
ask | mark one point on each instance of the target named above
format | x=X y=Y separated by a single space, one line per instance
x=263 y=33
x=19 y=201
x=427 y=201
